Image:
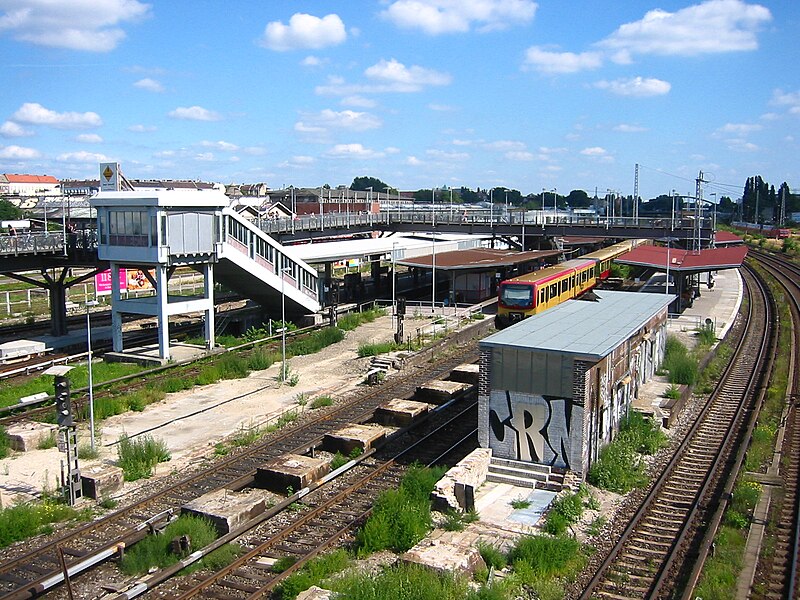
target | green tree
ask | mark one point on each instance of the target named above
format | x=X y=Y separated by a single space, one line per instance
x=8 y=211
x=362 y=184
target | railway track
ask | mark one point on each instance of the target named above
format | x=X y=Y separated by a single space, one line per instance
x=655 y=552
x=776 y=576
x=332 y=515
x=25 y=568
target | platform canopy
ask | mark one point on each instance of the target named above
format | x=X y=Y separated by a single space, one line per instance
x=685 y=261
x=480 y=259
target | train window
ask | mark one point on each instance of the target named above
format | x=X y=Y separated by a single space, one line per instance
x=516 y=295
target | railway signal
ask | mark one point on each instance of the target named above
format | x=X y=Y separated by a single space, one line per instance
x=63 y=404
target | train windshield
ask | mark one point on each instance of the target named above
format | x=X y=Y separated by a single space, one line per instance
x=516 y=295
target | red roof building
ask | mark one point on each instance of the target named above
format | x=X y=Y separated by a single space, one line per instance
x=15 y=184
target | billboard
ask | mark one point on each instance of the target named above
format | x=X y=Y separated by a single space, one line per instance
x=129 y=280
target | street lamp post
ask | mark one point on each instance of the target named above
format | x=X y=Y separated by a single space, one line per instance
x=283 y=271
x=555 y=205
x=507 y=219
x=394 y=282
x=89 y=305
x=433 y=248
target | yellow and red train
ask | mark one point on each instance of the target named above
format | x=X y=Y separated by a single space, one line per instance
x=534 y=292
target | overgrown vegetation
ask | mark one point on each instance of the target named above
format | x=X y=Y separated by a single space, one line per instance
x=27 y=519
x=154 y=551
x=400 y=518
x=680 y=363
x=351 y=321
x=375 y=349
x=138 y=457
x=321 y=401
x=4 y=445
x=313 y=573
x=620 y=467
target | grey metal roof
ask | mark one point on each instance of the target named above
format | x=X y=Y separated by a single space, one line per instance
x=583 y=328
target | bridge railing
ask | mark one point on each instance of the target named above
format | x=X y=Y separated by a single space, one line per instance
x=32 y=243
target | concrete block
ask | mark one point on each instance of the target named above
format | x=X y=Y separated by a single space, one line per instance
x=291 y=471
x=440 y=391
x=315 y=593
x=27 y=436
x=345 y=440
x=227 y=510
x=448 y=493
x=21 y=349
x=101 y=481
x=399 y=412
x=445 y=557
x=466 y=373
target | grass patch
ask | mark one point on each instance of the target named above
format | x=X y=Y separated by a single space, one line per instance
x=154 y=550
x=537 y=557
x=48 y=442
x=492 y=556
x=321 y=401
x=378 y=348
x=314 y=341
x=313 y=573
x=350 y=321
x=403 y=582
x=139 y=457
x=564 y=512
x=5 y=448
x=720 y=572
x=400 y=518
x=520 y=503
x=27 y=519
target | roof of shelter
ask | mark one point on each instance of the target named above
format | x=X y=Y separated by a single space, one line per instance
x=477 y=258
x=583 y=328
x=726 y=237
x=712 y=259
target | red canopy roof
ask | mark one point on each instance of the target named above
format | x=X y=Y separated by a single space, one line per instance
x=713 y=259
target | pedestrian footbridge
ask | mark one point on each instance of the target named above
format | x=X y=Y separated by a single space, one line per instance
x=159 y=231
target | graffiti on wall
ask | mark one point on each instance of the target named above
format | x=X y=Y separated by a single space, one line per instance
x=534 y=428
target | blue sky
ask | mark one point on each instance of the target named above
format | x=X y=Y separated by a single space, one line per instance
x=419 y=93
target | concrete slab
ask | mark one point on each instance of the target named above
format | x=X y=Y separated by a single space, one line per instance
x=293 y=471
x=532 y=514
x=440 y=391
x=449 y=491
x=445 y=557
x=345 y=440
x=399 y=412
x=148 y=355
x=315 y=593
x=493 y=503
x=101 y=481
x=29 y=435
x=21 y=349
x=466 y=373
x=226 y=509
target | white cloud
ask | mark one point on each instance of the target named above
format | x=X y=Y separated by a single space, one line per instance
x=447 y=156
x=435 y=17
x=549 y=62
x=11 y=129
x=327 y=119
x=194 y=113
x=598 y=153
x=312 y=61
x=303 y=160
x=713 y=26
x=220 y=145
x=505 y=145
x=387 y=76
x=412 y=78
x=34 y=113
x=304 y=31
x=791 y=100
x=150 y=85
x=82 y=157
x=638 y=87
x=740 y=145
x=352 y=151
x=462 y=142
x=413 y=161
x=520 y=155
x=627 y=128
x=441 y=107
x=204 y=157
x=18 y=152
x=88 y=25
x=139 y=128
x=89 y=138
x=739 y=128
x=359 y=101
